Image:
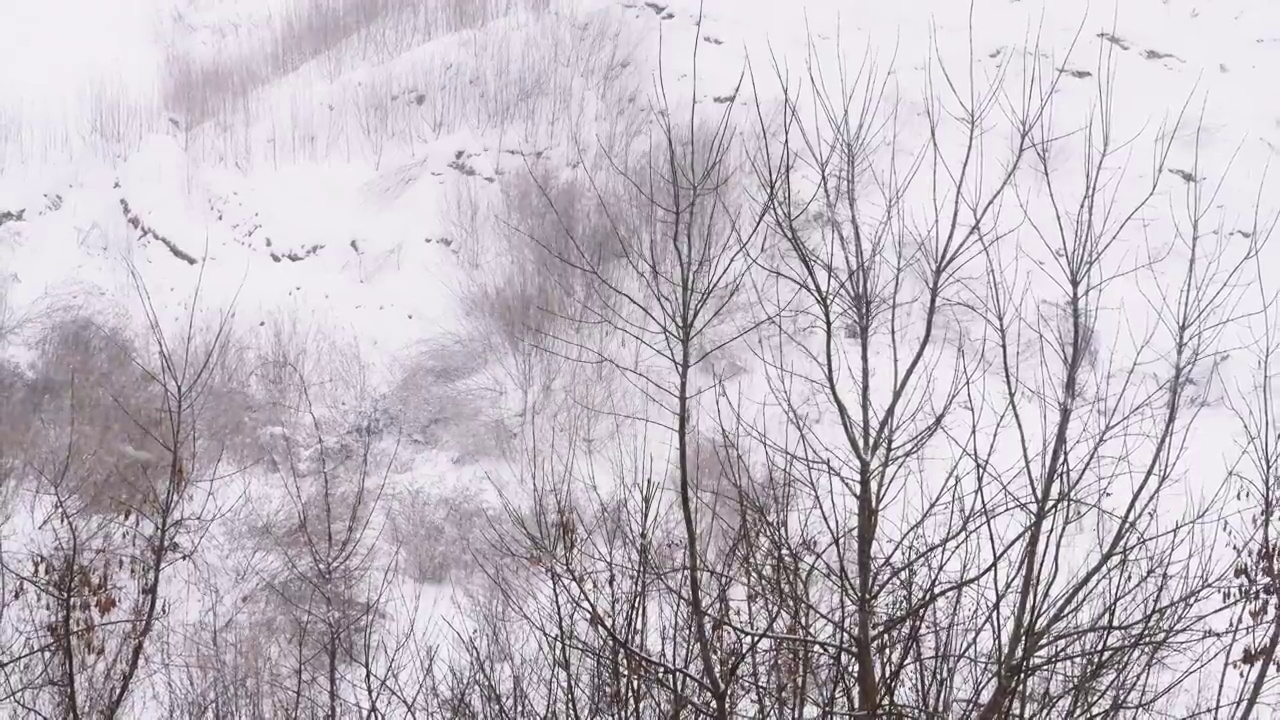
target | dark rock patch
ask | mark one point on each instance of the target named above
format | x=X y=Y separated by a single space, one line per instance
x=459 y=164
x=7 y=216
x=1157 y=55
x=1115 y=40
x=136 y=223
x=294 y=256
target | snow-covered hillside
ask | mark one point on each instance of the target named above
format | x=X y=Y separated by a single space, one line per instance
x=605 y=358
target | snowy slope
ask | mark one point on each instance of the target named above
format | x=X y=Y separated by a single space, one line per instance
x=370 y=229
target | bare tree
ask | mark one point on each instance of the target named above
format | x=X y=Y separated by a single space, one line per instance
x=1252 y=590
x=626 y=601
x=975 y=441
x=322 y=579
x=123 y=475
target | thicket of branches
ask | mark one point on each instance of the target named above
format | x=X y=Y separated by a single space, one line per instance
x=821 y=409
x=907 y=417
x=241 y=89
x=534 y=84
x=288 y=35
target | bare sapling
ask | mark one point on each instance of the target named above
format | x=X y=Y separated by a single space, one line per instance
x=123 y=475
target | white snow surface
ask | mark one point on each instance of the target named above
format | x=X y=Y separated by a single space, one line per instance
x=394 y=289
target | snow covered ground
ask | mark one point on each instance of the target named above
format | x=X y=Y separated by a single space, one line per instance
x=256 y=203
x=344 y=188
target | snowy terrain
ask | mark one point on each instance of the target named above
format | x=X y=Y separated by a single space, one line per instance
x=351 y=191
x=256 y=203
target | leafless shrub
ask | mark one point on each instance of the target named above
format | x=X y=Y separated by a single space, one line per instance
x=121 y=488
x=285 y=351
x=116 y=123
x=10 y=317
x=306 y=634
x=17 y=409
x=85 y=371
x=475 y=388
x=1248 y=675
x=440 y=533
x=374 y=113
x=15 y=418
x=440 y=405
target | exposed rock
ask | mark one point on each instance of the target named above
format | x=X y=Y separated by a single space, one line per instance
x=136 y=223
x=1157 y=55
x=7 y=216
x=1115 y=40
x=294 y=256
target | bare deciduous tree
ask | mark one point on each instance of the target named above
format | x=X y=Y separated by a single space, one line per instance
x=122 y=472
x=627 y=600
x=966 y=488
x=978 y=443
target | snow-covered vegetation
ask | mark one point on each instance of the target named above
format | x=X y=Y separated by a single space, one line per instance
x=584 y=358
